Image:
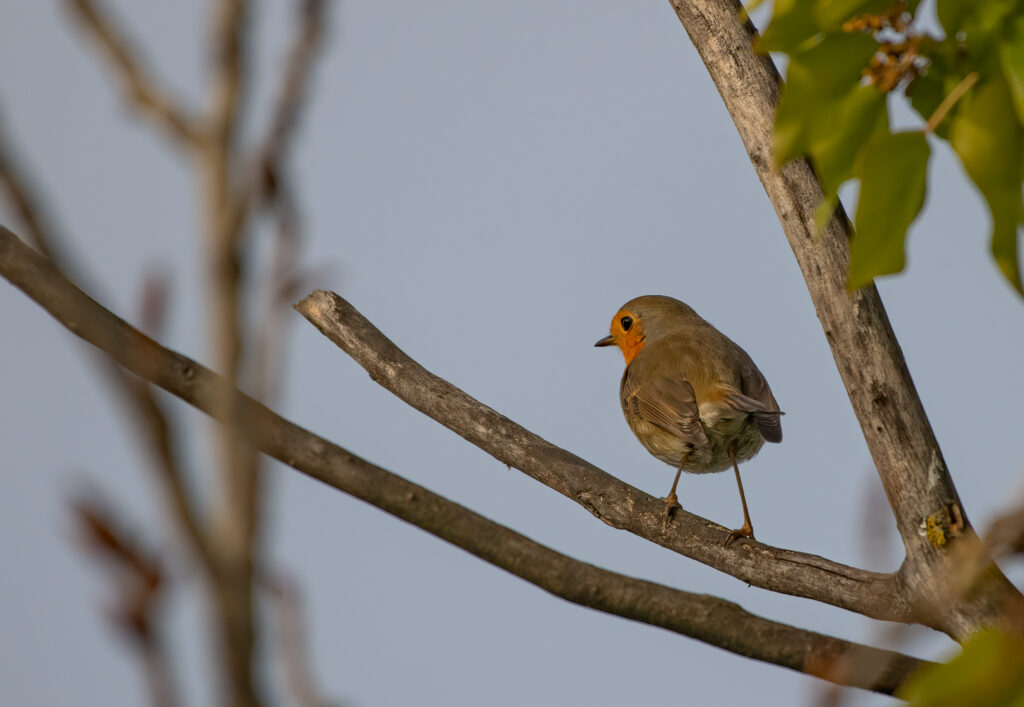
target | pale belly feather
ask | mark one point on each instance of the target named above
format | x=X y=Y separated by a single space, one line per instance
x=723 y=426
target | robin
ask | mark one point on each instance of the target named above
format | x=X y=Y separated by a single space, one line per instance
x=691 y=396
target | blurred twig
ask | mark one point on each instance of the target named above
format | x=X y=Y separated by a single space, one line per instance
x=153 y=302
x=1005 y=535
x=141 y=89
x=26 y=202
x=292 y=641
x=276 y=192
x=291 y=95
x=141 y=581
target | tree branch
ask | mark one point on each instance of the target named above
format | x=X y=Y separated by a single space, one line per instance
x=226 y=208
x=709 y=619
x=616 y=503
x=140 y=89
x=867 y=354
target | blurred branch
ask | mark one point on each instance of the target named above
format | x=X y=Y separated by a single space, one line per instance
x=226 y=211
x=140 y=89
x=228 y=67
x=708 y=619
x=893 y=421
x=613 y=501
x=162 y=437
x=291 y=96
x=292 y=642
x=1005 y=535
x=274 y=187
x=25 y=200
x=142 y=404
x=141 y=581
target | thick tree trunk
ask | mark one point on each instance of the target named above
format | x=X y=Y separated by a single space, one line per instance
x=929 y=516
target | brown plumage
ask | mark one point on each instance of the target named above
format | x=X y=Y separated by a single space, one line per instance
x=691 y=396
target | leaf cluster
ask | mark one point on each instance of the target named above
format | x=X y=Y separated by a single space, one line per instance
x=847 y=56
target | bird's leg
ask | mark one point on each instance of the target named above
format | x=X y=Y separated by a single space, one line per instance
x=672 y=501
x=747 y=531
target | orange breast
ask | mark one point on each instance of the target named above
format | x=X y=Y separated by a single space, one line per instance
x=631 y=346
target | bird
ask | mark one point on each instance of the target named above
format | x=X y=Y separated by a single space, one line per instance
x=692 y=396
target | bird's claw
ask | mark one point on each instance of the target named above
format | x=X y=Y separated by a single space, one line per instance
x=747 y=531
x=671 y=504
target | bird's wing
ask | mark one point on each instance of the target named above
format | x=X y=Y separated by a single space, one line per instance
x=666 y=402
x=757 y=400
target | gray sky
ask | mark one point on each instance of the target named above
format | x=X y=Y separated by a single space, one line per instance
x=487 y=182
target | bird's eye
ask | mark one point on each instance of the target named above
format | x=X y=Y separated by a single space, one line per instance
x=626 y=323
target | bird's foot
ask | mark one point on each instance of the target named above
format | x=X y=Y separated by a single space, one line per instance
x=747 y=531
x=671 y=504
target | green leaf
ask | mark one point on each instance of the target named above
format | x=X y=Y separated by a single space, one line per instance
x=978 y=23
x=854 y=119
x=953 y=14
x=825 y=112
x=817 y=79
x=989 y=672
x=988 y=138
x=892 y=171
x=823 y=213
x=1011 y=55
x=792 y=24
x=969 y=16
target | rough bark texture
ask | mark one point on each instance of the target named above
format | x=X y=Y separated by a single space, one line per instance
x=709 y=619
x=928 y=513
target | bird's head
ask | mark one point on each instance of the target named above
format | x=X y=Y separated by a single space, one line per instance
x=643 y=319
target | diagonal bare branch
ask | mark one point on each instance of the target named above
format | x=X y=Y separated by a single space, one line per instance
x=708 y=619
x=613 y=501
x=141 y=90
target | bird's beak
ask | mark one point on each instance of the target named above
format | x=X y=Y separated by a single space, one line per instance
x=606 y=341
